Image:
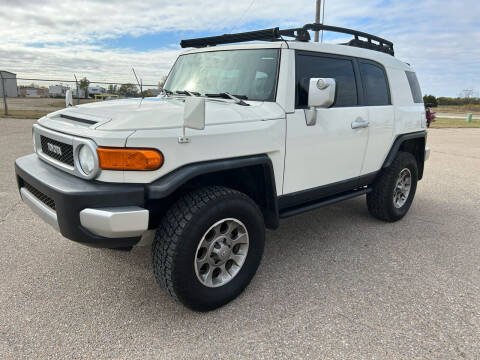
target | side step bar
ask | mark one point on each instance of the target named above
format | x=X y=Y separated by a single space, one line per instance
x=322 y=202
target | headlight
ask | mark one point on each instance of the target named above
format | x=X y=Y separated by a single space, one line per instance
x=86 y=158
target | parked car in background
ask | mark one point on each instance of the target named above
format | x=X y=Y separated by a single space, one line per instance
x=429 y=114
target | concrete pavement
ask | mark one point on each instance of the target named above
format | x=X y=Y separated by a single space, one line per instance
x=334 y=283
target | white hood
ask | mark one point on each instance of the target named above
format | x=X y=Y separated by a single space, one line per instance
x=163 y=113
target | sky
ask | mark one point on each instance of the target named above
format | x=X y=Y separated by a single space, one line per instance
x=103 y=40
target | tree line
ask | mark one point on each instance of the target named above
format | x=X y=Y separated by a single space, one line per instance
x=127 y=90
x=444 y=100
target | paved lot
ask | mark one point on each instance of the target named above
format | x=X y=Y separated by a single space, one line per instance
x=334 y=283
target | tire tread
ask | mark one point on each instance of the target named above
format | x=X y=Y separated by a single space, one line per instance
x=172 y=227
x=379 y=200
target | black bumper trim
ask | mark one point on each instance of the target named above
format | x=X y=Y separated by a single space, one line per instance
x=72 y=195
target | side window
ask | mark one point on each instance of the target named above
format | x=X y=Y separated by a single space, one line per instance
x=414 y=87
x=311 y=66
x=375 y=84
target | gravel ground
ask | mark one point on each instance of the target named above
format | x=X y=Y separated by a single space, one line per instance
x=38 y=104
x=334 y=283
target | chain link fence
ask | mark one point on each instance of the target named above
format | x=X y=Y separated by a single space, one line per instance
x=25 y=97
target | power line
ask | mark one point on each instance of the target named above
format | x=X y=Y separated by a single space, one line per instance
x=246 y=11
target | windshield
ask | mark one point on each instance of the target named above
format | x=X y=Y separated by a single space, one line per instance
x=248 y=73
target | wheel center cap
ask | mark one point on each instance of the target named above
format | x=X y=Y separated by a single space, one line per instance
x=224 y=253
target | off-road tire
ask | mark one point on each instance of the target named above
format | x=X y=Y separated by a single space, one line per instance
x=179 y=233
x=380 y=200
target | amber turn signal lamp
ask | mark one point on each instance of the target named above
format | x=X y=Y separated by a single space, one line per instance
x=129 y=159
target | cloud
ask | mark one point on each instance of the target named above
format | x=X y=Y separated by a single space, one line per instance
x=59 y=38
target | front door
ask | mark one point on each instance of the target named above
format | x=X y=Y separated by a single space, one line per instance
x=330 y=152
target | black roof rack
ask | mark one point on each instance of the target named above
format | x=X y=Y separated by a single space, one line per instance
x=371 y=42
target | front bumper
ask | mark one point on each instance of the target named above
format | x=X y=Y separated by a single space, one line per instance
x=88 y=212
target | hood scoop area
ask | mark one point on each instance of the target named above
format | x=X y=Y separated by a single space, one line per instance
x=79 y=119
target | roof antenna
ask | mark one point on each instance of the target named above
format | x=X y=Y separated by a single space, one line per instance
x=139 y=83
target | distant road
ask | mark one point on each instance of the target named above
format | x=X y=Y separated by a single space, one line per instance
x=454 y=116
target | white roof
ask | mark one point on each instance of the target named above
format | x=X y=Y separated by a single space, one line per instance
x=378 y=56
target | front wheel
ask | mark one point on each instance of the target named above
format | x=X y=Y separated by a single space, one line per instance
x=394 y=189
x=208 y=247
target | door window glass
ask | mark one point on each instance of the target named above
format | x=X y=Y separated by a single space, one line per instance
x=311 y=66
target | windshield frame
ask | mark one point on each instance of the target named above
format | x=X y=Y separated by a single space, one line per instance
x=277 y=74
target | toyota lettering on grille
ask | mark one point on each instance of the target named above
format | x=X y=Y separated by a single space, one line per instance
x=54 y=149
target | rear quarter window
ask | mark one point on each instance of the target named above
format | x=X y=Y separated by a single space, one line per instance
x=375 y=84
x=414 y=87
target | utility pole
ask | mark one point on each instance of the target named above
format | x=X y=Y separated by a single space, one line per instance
x=317 y=17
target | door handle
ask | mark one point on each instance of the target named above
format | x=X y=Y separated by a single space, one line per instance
x=360 y=123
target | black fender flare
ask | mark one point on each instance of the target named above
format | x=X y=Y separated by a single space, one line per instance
x=174 y=180
x=399 y=140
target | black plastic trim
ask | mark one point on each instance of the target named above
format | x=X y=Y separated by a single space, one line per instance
x=168 y=184
x=398 y=142
x=320 y=193
x=72 y=195
x=90 y=122
x=323 y=202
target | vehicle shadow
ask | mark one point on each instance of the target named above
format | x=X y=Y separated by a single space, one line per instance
x=328 y=230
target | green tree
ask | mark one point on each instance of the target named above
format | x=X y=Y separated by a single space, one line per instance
x=83 y=84
x=128 y=90
x=430 y=99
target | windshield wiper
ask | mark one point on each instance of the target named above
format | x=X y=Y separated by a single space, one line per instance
x=186 y=92
x=226 y=95
x=166 y=92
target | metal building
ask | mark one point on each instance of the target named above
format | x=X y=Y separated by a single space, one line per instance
x=10 y=83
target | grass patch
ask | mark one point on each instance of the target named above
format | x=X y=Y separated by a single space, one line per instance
x=458 y=109
x=25 y=114
x=454 y=123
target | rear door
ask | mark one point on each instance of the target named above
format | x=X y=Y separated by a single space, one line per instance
x=380 y=114
x=330 y=152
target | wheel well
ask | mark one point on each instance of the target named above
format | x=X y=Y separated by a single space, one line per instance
x=256 y=181
x=416 y=147
x=413 y=143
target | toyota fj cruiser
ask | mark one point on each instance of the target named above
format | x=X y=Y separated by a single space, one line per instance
x=243 y=136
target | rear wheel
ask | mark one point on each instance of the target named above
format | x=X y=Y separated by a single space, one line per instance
x=394 y=189
x=208 y=247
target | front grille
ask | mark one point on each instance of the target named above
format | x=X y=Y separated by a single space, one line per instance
x=65 y=155
x=40 y=196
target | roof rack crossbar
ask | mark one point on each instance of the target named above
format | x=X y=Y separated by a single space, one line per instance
x=265 y=35
x=300 y=34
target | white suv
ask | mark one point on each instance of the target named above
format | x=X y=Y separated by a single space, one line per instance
x=243 y=136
